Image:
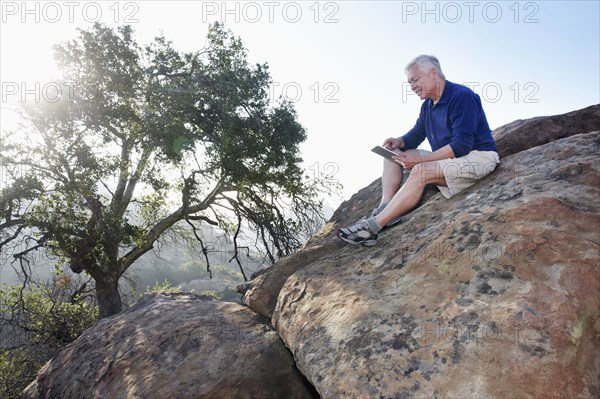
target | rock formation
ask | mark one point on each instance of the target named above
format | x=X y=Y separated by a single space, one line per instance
x=174 y=346
x=522 y=135
x=493 y=293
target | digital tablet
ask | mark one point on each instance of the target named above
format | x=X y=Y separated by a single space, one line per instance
x=384 y=152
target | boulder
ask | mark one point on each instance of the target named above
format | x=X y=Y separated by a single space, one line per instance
x=493 y=293
x=522 y=135
x=261 y=293
x=174 y=346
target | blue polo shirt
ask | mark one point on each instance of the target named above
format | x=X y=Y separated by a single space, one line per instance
x=457 y=119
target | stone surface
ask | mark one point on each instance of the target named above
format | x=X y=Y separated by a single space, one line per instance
x=174 y=346
x=262 y=292
x=493 y=293
x=521 y=135
x=264 y=298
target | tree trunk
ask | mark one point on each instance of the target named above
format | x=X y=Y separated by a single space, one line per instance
x=109 y=300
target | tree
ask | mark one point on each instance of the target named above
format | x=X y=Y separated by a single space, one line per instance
x=139 y=141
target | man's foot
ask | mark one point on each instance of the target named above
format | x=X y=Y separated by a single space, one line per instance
x=359 y=233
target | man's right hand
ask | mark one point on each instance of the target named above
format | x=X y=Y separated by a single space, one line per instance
x=393 y=143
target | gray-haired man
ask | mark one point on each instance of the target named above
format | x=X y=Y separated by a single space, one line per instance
x=464 y=151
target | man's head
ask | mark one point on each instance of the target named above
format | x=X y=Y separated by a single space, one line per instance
x=425 y=77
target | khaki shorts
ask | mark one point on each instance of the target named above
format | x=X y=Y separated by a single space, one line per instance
x=461 y=173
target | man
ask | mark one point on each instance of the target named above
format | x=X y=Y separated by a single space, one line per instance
x=464 y=151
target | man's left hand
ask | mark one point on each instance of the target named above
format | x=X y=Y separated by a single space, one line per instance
x=409 y=159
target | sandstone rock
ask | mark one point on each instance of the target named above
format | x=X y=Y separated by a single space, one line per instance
x=493 y=293
x=521 y=135
x=174 y=346
x=264 y=299
x=261 y=293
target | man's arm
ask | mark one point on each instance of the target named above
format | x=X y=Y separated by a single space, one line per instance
x=464 y=115
x=415 y=136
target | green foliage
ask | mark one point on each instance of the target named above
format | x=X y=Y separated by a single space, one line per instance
x=36 y=322
x=158 y=273
x=165 y=286
x=210 y=293
x=17 y=370
x=191 y=267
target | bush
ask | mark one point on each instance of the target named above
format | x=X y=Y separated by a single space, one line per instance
x=36 y=322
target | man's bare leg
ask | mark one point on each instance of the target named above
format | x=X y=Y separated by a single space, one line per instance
x=391 y=178
x=410 y=193
x=365 y=231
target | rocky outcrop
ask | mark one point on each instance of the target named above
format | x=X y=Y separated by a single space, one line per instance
x=493 y=293
x=261 y=293
x=174 y=346
x=522 y=135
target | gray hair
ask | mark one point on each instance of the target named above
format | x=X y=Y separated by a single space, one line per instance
x=425 y=63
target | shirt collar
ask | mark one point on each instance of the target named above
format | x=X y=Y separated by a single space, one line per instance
x=445 y=94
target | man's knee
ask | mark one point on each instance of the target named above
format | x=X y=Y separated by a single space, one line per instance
x=392 y=168
x=427 y=173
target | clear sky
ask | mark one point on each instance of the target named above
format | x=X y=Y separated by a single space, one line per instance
x=342 y=62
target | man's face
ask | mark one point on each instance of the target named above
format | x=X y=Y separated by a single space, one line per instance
x=422 y=83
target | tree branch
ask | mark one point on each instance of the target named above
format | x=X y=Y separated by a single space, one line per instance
x=235 y=247
x=204 y=248
x=141 y=166
x=13 y=237
x=40 y=243
x=166 y=223
x=10 y=223
x=117 y=198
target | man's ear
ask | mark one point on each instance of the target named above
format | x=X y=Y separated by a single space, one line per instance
x=434 y=72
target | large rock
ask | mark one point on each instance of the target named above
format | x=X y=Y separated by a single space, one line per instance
x=261 y=293
x=174 y=346
x=493 y=293
x=522 y=135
